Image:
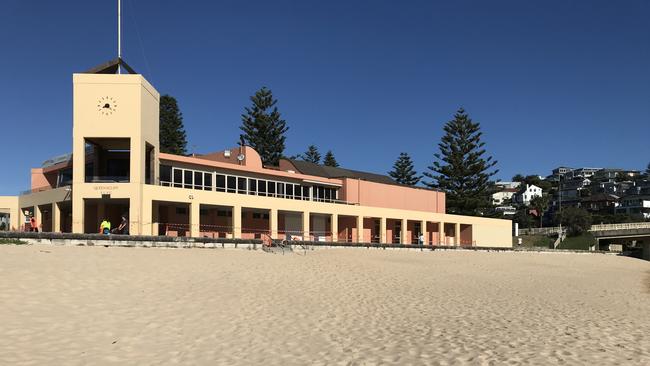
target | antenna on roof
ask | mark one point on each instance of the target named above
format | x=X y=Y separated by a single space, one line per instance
x=119 y=35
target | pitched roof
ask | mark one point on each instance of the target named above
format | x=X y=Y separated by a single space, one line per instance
x=308 y=168
x=110 y=67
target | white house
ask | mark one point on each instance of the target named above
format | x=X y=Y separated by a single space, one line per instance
x=526 y=194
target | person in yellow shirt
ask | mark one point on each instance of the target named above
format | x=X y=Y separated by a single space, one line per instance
x=105 y=227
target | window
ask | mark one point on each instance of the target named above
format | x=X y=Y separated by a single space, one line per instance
x=281 y=190
x=181 y=210
x=305 y=193
x=178 y=178
x=166 y=174
x=257 y=215
x=207 y=184
x=271 y=189
x=232 y=184
x=203 y=212
x=187 y=183
x=198 y=180
x=221 y=183
x=241 y=185
x=252 y=186
x=261 y=187
x=289 y=190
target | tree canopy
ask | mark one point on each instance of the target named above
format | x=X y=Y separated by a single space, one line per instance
x=576 y=220
x=330 y=160
x=173 y=139
x=263 y=128
x=311 y=155
x=461 y=168
x=403 y=171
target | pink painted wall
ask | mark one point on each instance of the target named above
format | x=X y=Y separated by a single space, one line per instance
x=391 y=196
x=252 y=158
x=42 y=180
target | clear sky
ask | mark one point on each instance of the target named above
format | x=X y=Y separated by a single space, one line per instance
x=551 y=82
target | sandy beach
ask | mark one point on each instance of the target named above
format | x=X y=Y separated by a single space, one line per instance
x=138 y=306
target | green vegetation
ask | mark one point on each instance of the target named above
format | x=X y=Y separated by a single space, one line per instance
x=330 y=160
x=263 y=127
x=580 y=242
x=462 y=169
x=576 y=220
x=311 y=155
x=533 y=241
x=403 y=171
x=12 y=241
x=172 y=133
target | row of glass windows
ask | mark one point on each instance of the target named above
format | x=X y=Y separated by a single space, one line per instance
x=195 y=179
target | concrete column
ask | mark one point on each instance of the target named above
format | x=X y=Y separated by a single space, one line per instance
x=56 y=218
x=78 y=212
x=442 y=240
x=457 y=234
x=38 y=215
x=273 y=223
x=423 y=229
x=305 y=225
x=382 y=230
x=334 y=227
x=360 y=229
x=146 y=218
x=236 y=222
x=155 y=217
x=195 y=219
x=403 y=238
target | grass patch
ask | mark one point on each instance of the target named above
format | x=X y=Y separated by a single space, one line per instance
x=12 y=241
x=533 y=241
x=580 y=242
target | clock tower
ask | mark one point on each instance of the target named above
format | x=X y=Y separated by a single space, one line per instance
x=115 y=146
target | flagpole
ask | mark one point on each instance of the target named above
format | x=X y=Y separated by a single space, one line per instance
x=119 y=36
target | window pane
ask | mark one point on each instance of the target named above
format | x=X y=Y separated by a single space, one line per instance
x=188 y=179
x=232 y=184
x=221 y=183
x=178 y=178
x=241 y=185
x=305 y=193
x=289 y=190
x=252 y=186
x=165 y=173
x=281 y=190
x=208 y=181
x=328 y=194
x=261 y=187
x=271 y=189
x=198 y=180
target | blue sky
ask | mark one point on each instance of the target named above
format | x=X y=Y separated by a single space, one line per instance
x=551 y=82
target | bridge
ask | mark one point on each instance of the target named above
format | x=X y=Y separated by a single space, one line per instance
x=634 y=236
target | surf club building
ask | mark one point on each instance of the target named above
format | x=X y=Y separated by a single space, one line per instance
x=116 y=169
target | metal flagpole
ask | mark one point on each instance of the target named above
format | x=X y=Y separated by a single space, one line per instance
x=119 y=36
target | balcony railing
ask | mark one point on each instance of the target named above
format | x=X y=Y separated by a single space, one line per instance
x=107 y=179
x=253 y=193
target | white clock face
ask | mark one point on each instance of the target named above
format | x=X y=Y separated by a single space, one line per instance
x=106 y=106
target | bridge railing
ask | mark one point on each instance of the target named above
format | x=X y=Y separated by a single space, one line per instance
x=627 y=226
x=556 y=229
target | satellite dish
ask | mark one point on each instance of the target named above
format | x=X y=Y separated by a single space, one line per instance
x=241 y=157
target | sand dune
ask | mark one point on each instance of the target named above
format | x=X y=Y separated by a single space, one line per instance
x=95 y=305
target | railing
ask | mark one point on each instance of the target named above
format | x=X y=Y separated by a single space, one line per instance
x=106 y=179
x=166 y=183
x=556 y=229
x=540 y=231
x=627 y=226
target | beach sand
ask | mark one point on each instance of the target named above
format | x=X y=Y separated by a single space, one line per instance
x=139 y=306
